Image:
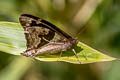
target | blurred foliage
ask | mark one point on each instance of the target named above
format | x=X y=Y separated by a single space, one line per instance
x=102 y=32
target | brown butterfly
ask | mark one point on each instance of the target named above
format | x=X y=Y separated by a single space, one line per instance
x=43 y=37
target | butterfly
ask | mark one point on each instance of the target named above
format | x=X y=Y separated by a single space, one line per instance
x=43 y=37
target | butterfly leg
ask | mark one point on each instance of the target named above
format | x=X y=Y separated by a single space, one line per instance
x=60 y=55
x=76 y=55
x=85 y=57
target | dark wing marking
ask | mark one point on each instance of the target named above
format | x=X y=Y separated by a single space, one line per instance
x=56 y=29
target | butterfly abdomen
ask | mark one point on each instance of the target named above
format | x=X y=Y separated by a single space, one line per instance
x=53 y=48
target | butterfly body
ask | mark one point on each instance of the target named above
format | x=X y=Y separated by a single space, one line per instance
x=43 y=37
x=50 y=48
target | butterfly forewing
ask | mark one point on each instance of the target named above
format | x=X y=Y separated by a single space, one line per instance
x=39 y=32
x=35 y=32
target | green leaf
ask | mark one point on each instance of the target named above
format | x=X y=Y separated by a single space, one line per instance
x=12 y=40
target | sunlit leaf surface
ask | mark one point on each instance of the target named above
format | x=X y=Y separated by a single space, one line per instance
x=12 y=41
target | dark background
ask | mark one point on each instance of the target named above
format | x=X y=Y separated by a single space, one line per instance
x=100 y=20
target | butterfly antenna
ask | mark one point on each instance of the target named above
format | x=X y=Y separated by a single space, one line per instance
x=81 y=30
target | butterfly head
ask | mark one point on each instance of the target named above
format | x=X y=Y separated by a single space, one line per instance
x=73 y=41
